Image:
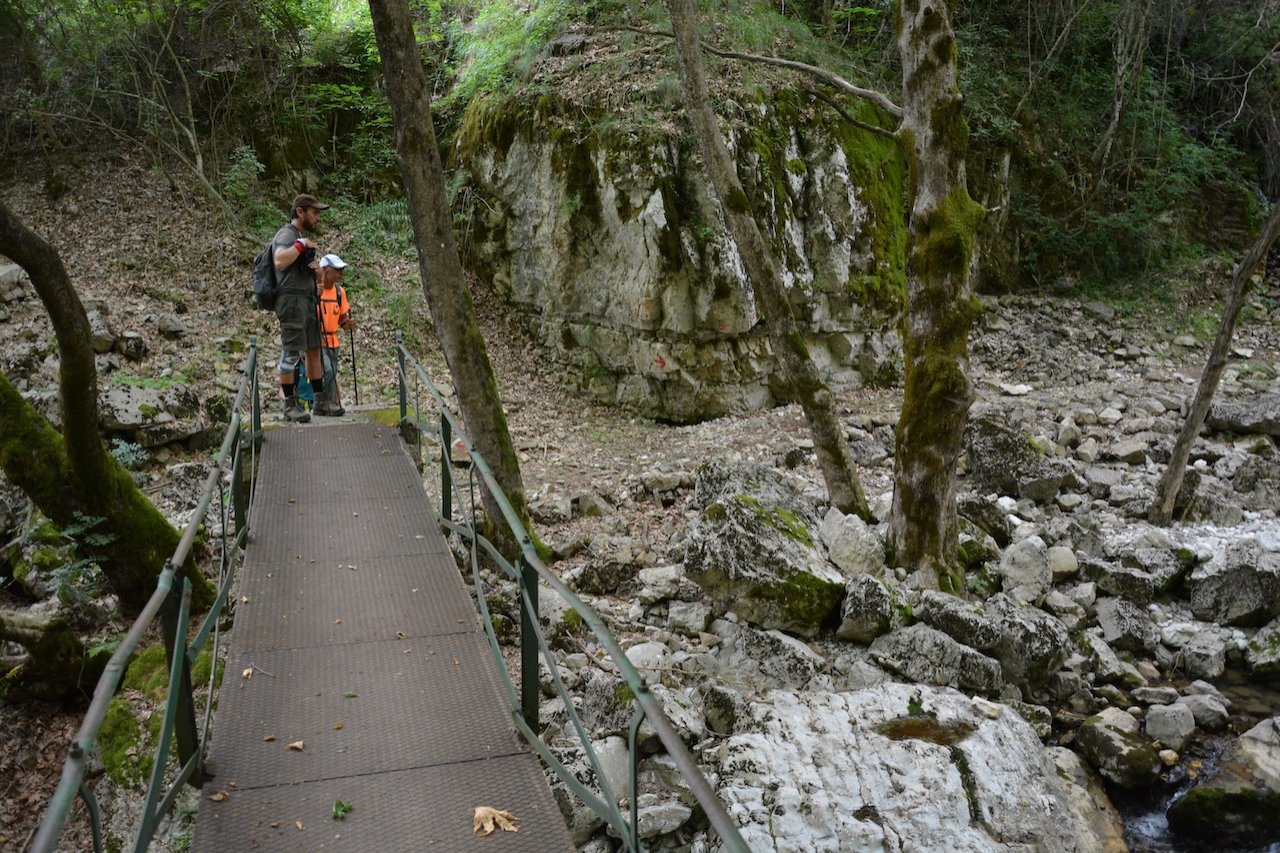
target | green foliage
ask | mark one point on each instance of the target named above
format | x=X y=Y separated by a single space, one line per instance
x=129 y=454
x=501 y=42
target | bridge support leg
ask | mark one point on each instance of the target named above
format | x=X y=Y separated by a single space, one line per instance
x=185 y=732
x=529 y=645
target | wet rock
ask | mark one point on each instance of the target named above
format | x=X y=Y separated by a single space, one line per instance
x=1209 y=712
x=753 y=551
x=1126 y=627
x=1109 y=741
x=1094 y=821
x=926 y=655
x=1240 y=804
x=870 y=608
x=1171 y=725
x=821 y=771
x=1262 y=654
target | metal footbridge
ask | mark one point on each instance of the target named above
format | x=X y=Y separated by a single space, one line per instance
x=358 y=672
x=365 y=702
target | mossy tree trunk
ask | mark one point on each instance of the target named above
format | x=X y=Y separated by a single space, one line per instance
x=58 y=664
x=443 y=282
x=806 y=385
x=940 y=309
x=1171 y=481
x=70 y=473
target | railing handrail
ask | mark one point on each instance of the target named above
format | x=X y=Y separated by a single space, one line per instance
x=71 y=782
x=649 y=705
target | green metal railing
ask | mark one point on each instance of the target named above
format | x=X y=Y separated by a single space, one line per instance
x=526 y=573
x=172 y=602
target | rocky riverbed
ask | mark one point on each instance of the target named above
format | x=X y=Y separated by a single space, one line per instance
x=1105 y=683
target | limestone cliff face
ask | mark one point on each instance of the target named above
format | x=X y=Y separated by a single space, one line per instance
x=611 y=247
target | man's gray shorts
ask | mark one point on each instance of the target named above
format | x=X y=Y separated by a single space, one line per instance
x=299 y=327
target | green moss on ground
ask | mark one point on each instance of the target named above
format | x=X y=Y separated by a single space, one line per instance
x=148 y=672
x=120 y=744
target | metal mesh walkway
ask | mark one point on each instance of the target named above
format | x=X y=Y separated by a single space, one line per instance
x=365 y=646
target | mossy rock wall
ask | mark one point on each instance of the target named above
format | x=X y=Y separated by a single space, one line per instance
x=608 y=241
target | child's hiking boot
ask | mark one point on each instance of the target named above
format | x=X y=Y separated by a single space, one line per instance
x=294 y=413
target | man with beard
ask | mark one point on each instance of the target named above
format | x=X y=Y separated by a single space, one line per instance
x=296 y=267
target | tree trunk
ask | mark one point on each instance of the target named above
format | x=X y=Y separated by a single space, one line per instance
x=944 y=220
x=448 y=297
x=1171 y=481
x=57 y=664
x=69 y=473
x=788 y=343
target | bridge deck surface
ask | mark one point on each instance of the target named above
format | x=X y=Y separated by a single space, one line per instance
x=366 y=647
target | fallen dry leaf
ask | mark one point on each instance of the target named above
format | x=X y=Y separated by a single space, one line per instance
x=269 y=738
x=248 y=673
x=337 y=727
x=298 y=824
x=220 y=797
x=244 y=599
x=297 y=745
x=486 y=816
x=337 y=621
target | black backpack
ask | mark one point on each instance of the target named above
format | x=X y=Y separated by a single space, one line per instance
x=266 y=284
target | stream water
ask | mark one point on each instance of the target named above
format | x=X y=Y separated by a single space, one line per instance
x=1146 y=828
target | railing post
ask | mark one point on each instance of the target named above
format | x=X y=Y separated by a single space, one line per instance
x=185 y=733
x=239 y=494
x=528 y=642
x=256 y=391
x=446 y=468
x=404 y=388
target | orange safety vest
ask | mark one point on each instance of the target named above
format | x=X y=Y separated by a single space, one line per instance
x=332 y=308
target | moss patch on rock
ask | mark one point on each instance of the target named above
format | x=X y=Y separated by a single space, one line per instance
x=120 y=744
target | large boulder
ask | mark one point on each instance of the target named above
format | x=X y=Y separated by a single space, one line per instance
x=962 y=621
x=1003 y=459
x=152 y=416
x=1125 y=626
x=894 y=767
x=870 y=609
x=1095 y=823
x=1109 y=741
x=1262 y=654
x=1239 y=585
x=1024 y=570
x=926 y=655
x=753 y=550
x=1255 y=413
x=1239 y=805
x=851 y=543
x=1032 y=644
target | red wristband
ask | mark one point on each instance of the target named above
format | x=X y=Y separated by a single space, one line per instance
x=300 y=246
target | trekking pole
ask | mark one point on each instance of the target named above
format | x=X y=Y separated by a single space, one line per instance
x=355 y=384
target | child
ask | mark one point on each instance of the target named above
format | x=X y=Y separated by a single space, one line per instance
x=335 y=313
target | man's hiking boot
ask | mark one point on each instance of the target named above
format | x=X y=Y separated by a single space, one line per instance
x=293 y=413
x=330 y=410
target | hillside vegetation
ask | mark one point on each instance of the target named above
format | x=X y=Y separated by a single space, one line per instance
x=1111 y=141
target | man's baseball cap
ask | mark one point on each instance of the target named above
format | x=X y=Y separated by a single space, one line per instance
x=333 y=261
x=307 y=200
